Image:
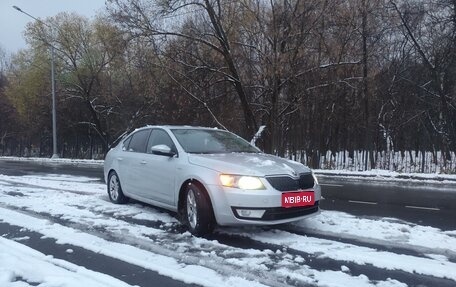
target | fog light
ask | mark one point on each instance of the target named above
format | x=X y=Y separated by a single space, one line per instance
x=251 y=213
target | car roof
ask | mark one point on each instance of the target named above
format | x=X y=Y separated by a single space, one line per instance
x=178 y=127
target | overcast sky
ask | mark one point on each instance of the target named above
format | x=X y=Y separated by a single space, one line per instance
x=12 y=22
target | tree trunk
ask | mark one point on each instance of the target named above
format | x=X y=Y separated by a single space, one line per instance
x=250 y=122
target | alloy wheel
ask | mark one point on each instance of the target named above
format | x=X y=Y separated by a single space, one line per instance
x=114 y=187
x=192 y=212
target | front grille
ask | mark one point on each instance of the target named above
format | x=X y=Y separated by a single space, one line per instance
x=286 y=183
x=278 y=213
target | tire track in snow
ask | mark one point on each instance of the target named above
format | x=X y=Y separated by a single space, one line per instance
x=319 y=262
x=406 y=267
x=380 y=245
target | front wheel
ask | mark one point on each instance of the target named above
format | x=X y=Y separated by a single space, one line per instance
x=115 y=189
x=198 y=214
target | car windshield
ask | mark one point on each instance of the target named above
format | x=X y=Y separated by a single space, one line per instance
x=211 y=141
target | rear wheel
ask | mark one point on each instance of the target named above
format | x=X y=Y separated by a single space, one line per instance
x=115 y=189
x=198 y=214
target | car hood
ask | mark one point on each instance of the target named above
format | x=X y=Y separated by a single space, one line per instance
x=248 y=164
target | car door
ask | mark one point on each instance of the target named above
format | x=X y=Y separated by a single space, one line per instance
x=160 y=173
x=132 y=162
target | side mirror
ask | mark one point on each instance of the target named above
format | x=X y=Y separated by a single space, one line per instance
x=162 y=149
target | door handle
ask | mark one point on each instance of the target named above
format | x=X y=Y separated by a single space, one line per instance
x=120 y=159
x=143 y=162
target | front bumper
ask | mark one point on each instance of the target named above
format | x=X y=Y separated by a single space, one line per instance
x=226 y=203
x=278 y=213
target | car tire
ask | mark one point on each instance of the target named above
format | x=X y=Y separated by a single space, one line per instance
x=115 y=192
x=198 y=214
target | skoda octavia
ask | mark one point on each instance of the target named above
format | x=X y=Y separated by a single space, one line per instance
x=209 y=176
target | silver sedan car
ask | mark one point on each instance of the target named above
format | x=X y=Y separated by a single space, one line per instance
x=209 y=176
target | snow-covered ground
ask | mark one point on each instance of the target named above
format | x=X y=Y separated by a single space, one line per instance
x=330 y=249
x=24 y=266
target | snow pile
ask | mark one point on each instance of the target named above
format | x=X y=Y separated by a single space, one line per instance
x=389 y=232
x=91 y=162
x=380 y=174
x=23 y=266
x=257 y=135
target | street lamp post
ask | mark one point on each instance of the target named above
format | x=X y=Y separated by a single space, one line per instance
x=54 y=114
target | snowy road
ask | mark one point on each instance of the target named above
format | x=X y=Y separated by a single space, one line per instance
x=62 y=230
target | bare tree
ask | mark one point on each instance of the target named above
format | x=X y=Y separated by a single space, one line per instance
x=85 y=51
x=140 y=18
x=424 y=24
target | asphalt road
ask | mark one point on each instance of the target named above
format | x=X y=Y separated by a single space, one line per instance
x=432 y=204
x=20 y=168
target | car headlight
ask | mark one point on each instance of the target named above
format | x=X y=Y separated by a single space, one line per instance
x=241 y=181
x=315 y=178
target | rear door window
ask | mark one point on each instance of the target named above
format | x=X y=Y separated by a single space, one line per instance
x=138 y=141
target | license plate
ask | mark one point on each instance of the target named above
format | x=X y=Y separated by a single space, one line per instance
x=295 y=199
